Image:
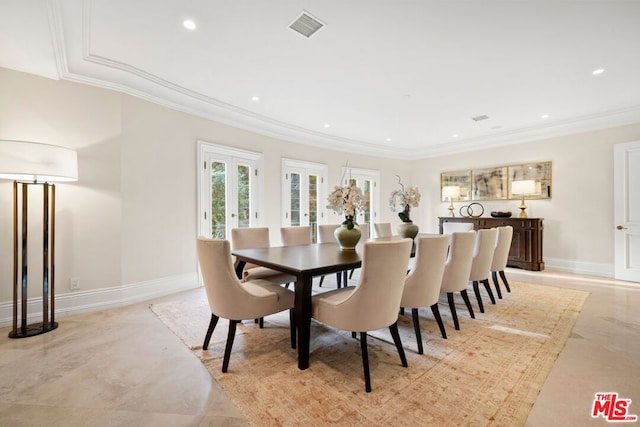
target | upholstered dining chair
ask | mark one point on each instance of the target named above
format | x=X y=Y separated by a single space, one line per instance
x=454 y=227
x=501 y=257
x=257 y=238
x=230 y=299
x=457 y=269
x=296 y=236
x=325 y=235
x=375 y=300
x=382 y=229
x=422 y=284
x=481 y=265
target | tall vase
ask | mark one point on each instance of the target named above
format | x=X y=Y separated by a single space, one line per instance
x=347 y=239
x=408 y=229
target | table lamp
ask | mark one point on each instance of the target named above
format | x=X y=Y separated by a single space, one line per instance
x=527 y=186
x=31 y=164
x=451 y=191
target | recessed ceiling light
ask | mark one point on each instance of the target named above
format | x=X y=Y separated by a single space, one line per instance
x=544 y=116
x=597 y=71
x=455 y=135
x=326 y=125
x=388 y=139
x=255 y=98
x=189 y=24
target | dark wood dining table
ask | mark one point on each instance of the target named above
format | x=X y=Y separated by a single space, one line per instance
x=305 y=263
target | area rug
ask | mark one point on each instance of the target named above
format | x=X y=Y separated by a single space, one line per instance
x=488 y=373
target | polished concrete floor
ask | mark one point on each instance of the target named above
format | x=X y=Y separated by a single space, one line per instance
x=122 y=367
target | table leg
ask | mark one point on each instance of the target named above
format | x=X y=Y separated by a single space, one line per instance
x=302 y=311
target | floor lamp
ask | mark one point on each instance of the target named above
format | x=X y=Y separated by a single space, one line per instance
x=31 y=164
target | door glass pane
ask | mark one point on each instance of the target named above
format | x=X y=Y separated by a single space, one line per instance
x=244 y=196
x=294 y=209
x=313 y=206
x=218 y=199
x=366 y=190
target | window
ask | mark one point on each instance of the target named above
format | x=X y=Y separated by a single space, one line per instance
x=228 y=189
x=304 y=188
x=367 y=180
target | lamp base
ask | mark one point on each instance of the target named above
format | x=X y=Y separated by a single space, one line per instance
x=33 y=330
x=451 y=208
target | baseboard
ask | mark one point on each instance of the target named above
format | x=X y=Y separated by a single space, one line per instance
x=100 y=299
x=580 y=267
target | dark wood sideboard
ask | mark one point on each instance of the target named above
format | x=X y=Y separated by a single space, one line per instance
x=526 y=245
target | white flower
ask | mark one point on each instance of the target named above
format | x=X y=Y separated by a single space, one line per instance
x=403 y=200
x=346 y=200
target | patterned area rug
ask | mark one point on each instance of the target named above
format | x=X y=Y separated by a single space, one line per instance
x=488 y=373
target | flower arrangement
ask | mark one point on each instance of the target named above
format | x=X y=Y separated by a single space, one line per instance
x=403 y=200
x=346 y=200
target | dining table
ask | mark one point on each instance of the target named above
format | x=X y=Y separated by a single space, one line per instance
x=304 y=262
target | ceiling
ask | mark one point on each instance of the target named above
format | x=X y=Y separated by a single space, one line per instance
x=400 y=79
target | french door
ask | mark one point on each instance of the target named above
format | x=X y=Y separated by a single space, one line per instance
x=303 y=194
x=227 y=189
x=627 y=211
x=367 y=181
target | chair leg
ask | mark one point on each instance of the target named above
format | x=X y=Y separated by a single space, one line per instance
x=494 y=277
x=504 y=279
x=227 y=351
x=212 y=326
x=465 y=297
x=365 y=361
x=351 y=274
x=416 y=328
x=292 y=327
x=436 y=313
x=345 y=279
x=452 y=307
x=476 y=290
x=261 y=322
x=396 y=339
x=353 y=335
x=321 y=280
x=339 y=279
x=402 y=311
x=488 y=288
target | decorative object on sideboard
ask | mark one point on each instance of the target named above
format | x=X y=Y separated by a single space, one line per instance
x=347 y=200
x=31 y=165
x=402 y=201
x=451 y=192
x=501 y=214
x=523 y=188
x=468 y=211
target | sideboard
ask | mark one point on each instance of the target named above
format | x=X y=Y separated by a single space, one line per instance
x=526 y=245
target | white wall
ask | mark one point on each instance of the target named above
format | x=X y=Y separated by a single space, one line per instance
x=127 y=228
x=578 y=219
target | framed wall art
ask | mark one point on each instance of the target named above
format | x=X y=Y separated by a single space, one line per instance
x=461 y=179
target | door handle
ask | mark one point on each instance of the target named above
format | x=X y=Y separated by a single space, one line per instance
x=621 y=227
x=233 y=215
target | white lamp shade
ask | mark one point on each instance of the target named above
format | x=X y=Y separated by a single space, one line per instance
x=527 y=186
x=36 y=162
x=452 y=191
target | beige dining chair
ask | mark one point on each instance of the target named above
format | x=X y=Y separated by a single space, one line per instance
x=481 y=265
x=422 y=284
x=325 y=235
x=454 y=227
x=501 y=257
x=230 y=299
x=457 y=269
x=257 y=238
x=382 y=229
x=296 y=236
x=375 y=300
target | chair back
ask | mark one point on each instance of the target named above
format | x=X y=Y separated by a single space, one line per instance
x=225 y=293
x=454 y=227
x=296 y=236
x=483 y=254
x=250 y=238
x=382 y=229
x=375 y=302
x=325 y=233
x=422 y=285
x=458 y=265
x=364 y=232
x=501 y=254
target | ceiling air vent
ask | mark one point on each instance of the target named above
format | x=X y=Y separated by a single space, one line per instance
x=479 y=118
x=306 y=24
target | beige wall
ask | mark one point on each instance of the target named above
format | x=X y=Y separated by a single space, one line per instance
x=131 y=217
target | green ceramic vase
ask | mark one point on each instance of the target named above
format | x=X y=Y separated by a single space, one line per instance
x=408 y=229
x=347 y=239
